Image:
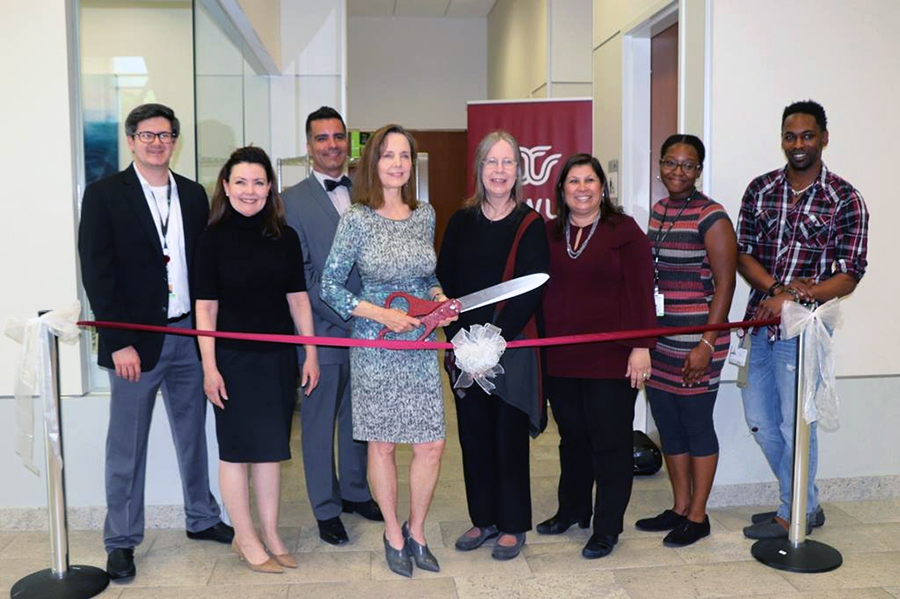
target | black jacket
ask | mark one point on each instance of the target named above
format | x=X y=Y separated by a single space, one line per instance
x=122 y=264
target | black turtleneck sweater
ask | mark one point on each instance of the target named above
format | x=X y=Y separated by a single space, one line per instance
x=250 y=276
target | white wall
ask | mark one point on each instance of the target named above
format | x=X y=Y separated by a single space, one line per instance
x=570 y=48
x=37 y=231
x=517 y=49
x=418 y=72
x=314 y=67
x=846 y=59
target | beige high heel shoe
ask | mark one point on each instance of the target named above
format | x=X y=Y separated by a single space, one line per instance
x=285 y=560
x=270 y=566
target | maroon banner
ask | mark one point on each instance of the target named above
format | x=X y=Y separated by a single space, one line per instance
x=548 y=132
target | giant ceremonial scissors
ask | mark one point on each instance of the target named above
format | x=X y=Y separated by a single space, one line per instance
x=431 y=313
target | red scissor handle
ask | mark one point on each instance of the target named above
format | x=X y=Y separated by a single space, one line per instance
x=429 y=312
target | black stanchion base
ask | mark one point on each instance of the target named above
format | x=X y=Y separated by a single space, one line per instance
x=80 y=582
x=809 y=556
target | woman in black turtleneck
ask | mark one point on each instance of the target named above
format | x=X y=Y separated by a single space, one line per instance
x=249 y=278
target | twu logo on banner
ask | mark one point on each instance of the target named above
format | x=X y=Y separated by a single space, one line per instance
x=537 y=167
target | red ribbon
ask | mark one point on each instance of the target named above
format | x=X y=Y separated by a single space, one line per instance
x=389 y=344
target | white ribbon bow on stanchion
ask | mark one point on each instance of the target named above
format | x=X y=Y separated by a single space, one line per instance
x=34 y=377
x=821 y=401
x=477 y=352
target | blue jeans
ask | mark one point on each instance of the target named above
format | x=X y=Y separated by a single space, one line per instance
x=769 y=408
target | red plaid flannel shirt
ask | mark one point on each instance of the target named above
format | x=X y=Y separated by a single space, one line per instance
x=823 y=234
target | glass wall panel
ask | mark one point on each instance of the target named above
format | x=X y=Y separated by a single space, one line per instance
x=133 y=52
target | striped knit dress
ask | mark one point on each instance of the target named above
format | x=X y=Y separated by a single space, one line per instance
x=676 y=232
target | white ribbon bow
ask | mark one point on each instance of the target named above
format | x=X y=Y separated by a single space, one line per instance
x=34 y=376
x=820 y=403
x=477 y=354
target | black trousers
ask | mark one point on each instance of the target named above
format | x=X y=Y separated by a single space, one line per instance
x=495 y=451
x=596 y=445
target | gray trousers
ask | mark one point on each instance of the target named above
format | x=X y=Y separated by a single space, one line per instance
x=179 y=375
x=325 y=411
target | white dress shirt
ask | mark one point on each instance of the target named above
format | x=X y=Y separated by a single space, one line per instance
x=173 y=243
x=340 y=197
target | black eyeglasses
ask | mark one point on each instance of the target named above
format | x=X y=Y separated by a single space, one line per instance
x=688 y=168
x=149 y=137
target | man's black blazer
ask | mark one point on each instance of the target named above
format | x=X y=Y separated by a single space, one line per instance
x=122 y=264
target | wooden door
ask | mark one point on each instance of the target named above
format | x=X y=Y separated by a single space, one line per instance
x=663 y=100
x=446 y=173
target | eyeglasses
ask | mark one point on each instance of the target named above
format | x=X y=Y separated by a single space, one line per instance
x=149 y=137
x=493 y=163
x=688 y=168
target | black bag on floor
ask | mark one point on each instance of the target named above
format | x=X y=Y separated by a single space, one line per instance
x=647 y=456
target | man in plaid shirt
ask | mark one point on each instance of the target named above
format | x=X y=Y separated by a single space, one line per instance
x=802 y=234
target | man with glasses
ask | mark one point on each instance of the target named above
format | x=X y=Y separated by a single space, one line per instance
x=137 y=237
x=802 y=236
x=313 y=208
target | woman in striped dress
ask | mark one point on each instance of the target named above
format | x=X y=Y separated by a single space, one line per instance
x=695 y=255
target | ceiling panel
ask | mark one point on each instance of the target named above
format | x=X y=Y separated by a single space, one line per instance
x=370 y=8
x=420 y=8
x=468 y=9
x=463 y=9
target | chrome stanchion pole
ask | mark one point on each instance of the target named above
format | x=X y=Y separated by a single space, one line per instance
x=796 y=553
x=59 y=581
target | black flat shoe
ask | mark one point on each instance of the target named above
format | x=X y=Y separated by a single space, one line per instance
x=664 y=521
x=506 y=552
x=599 y=546
x=397 y=559
x=557 y=525
x=687 y=533
x=219 y=532
x=467 y=543
x=332 y=531
x=367 y=509
x=120 y=564
x=423 y=557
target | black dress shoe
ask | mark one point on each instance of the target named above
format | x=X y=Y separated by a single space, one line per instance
x=815 y=519
x=332 y=531
x=558 y=525
x=664 y=521
x=367 y=509
x=120 y=564
x=421 y=554
x=599 y=546
x=219 y=532
x=687 y=533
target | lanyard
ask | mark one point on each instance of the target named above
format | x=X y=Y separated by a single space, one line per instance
x=164 y=224
x=662 y=235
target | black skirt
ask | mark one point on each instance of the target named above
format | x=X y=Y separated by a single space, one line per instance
x=255 y=425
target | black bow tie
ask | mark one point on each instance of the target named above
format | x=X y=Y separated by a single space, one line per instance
x=331 y=185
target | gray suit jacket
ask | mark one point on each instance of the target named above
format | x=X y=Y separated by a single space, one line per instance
x=310 y=212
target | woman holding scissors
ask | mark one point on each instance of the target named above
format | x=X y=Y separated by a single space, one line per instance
x=396 y=395
x=493 y=238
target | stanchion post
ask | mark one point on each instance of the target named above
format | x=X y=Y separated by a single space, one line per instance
x=56 y=484
x=59 y=581
x=796 y=553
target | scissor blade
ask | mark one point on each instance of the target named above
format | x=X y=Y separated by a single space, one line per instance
x=501 y=291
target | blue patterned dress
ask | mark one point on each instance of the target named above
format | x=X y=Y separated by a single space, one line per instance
x=396 y=394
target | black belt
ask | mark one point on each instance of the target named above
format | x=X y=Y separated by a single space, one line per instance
x=178 y=318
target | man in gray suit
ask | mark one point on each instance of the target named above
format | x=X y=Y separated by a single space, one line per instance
x=313 y=208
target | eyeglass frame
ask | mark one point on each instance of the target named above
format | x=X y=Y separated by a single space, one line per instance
x=504 y=164
x=688 y=168
x=156 y=136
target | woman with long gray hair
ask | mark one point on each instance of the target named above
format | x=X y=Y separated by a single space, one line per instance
x=492 y=238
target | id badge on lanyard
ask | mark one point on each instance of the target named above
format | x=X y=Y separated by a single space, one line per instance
x=659 y=299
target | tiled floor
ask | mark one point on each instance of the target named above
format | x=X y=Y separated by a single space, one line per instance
x=170 y=566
